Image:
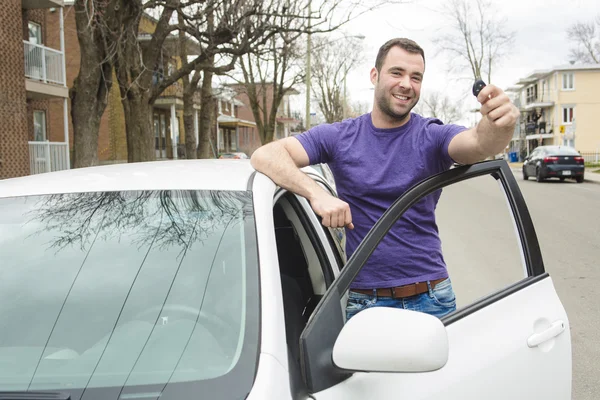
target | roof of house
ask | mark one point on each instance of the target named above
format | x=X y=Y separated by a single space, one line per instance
x=541 y=73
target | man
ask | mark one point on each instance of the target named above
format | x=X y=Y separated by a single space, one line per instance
x=377 y=157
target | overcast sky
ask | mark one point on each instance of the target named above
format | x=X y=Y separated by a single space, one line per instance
x=541 y=40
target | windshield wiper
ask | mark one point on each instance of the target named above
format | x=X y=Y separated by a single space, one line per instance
x=34 y=396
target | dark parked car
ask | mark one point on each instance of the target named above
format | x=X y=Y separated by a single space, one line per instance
x=554 y=162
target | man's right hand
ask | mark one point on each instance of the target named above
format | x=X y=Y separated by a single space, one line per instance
x=334 y=212
x=280 y=160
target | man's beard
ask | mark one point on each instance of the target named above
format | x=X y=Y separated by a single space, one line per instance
x=384 y=106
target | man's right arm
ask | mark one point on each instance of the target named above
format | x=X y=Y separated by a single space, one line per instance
x=281 y=161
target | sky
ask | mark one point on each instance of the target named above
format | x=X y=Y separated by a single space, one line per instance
x=541 y=42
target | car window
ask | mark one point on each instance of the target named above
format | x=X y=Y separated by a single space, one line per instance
x=566 y=151
x=129 y=290
x=479 y=244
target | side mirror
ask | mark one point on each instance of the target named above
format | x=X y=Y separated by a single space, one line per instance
x=382 y=339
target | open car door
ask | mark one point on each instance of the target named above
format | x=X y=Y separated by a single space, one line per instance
x=512 y=343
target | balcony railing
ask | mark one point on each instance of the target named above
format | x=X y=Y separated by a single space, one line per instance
x=540 y=97
x=175 y=90
x=48 y=157
x=43 y=63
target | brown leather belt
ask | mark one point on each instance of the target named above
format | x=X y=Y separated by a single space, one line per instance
x=401 y=291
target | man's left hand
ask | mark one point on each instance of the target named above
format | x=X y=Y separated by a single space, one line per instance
x=497 y=108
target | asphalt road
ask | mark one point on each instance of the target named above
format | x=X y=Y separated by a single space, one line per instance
x=482 y=254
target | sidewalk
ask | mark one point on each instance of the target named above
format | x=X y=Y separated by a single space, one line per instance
x=590 y=175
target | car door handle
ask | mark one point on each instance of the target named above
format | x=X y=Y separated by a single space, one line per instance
x=554 y=330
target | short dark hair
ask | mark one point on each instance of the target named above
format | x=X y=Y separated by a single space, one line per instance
x=404 y=43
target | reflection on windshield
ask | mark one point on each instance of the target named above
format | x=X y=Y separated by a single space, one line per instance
x=119 y=289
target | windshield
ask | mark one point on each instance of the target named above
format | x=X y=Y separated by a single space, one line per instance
x=129 y=294
x=560 y=150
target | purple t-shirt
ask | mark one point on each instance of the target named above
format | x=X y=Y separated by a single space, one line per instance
x=372 y=168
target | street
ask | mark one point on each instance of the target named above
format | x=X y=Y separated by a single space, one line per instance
x=481 y=251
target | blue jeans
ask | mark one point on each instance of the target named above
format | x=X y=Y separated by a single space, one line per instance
x=437 y=302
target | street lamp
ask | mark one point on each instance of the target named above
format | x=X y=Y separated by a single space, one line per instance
x=308 y=62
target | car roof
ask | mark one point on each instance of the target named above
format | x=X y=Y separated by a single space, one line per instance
x=155 y=175
x=558 y=148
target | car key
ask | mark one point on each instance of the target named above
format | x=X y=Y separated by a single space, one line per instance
x=477 y=87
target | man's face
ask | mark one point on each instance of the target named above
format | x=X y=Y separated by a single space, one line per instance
x=398 y=84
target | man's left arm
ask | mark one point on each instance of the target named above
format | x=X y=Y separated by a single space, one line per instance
x=492 y=134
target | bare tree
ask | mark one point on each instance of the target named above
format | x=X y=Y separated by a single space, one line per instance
x=89 y=94
x=271 y=72
x=436 y=105
x=268 y=75
x=234 y=34
x=239 y=25
x=587 y=41
x=332 y=60
x=162 y=218
x=478 y=39
x=208 y=115
x=191 y=88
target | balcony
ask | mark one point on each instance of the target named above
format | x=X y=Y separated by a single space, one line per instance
x=172 y=95
x=535 y=99
x=44 y=70
x=48 y=157
x=175 y=90
x=35 y=4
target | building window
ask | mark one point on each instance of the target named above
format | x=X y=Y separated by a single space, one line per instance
x=568 y=81
x=568 y=115
x=532 y=94
x=39 y=126
x=35 y=33
x=234 y=140
x=569 y=142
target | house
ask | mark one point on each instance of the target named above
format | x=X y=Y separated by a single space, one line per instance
x=284 y=119
x=33 y=91
x=236 y=129
x=559 y=106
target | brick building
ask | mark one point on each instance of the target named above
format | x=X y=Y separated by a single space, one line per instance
x=32 y=89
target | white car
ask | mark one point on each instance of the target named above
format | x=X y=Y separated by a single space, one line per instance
x=324 y=171
x=200 y=279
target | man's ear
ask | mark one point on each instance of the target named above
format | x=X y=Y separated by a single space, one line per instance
x=374 y=76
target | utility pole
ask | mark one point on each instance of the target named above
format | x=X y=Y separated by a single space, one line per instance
x=308 y=71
